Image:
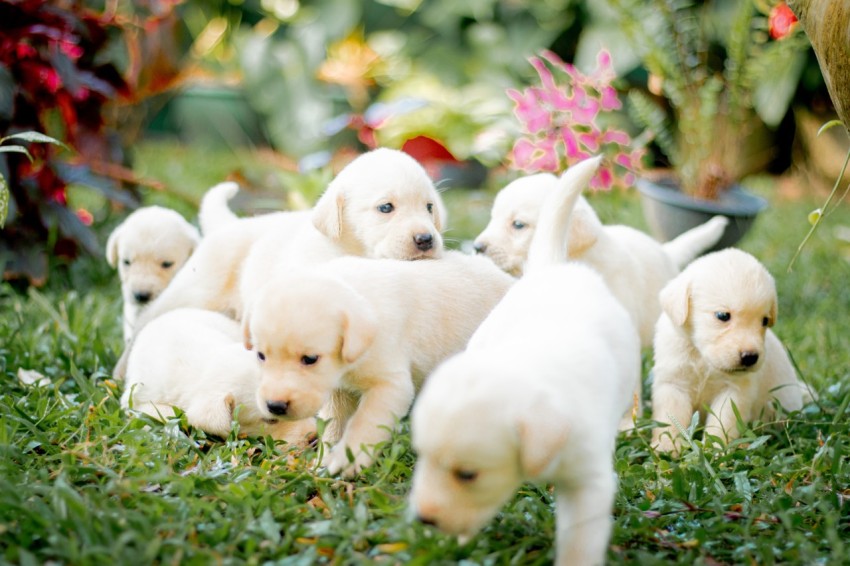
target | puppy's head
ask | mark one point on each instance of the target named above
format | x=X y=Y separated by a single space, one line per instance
x=383 y=205
x=478 y=438
x=306 y=331
x=724 y=302
x=514 y=216
x=148 y=248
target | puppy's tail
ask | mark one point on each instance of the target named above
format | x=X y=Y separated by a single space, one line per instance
x=549 y=243
x=687 y=246
x=214 y=212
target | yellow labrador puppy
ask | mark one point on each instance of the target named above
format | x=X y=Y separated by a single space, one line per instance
x=149 y=247
x=634 y=265
x=536 y=396
x=360 y=335
x=194 y=360
x=381 y=205
x=714 y=347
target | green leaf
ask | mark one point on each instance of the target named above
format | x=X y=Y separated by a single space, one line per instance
x=35 y=137
x=828 y=125
x=16 y=149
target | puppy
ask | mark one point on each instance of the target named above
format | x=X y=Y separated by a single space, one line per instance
x=713 y=348
x=633 y=264
x=382 y=204
x=194 y=360
x=364 y=333
x=537 y=395
x=214 y=212
x=149 y=247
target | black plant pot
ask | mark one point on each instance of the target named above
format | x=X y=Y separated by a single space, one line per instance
x=669 y=212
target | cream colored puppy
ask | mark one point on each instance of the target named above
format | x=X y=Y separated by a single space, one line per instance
x=194 y=360
x=536 y=396
x=149 y=247
x=713 y=347
x=634 y=265
x=380 y=205
x=364 y=333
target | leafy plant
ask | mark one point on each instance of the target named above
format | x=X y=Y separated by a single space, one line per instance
x=712 y=66
x=55 y=78
x=563 y=121
x=16 y=148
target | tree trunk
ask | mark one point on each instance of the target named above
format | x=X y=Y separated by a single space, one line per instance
x=827 y=23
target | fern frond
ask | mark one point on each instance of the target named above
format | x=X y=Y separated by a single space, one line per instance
x=651 y=117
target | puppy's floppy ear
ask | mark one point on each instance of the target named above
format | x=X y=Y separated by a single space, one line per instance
x=112 y=246
x=327 y=213
x=584 y=229
x=543 y=431
x=246 y=331
x=675 y=299
x=440 y=212
x=774 y=311
x=359 y=327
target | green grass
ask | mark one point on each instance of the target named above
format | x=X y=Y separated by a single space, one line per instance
x=81 y=483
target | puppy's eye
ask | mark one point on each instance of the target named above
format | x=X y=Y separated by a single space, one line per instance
x=723 y=316
x=464 y=476
x=430 y=208
x=386 y=208
x=518 y=225
x=167 y=264
x=125 y=261
x=765 y=321
x=309 y=360
x=261 y=356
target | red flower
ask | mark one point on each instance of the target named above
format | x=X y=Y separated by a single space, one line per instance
x=781 y=21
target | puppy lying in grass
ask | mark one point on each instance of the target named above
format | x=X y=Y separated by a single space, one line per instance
x=714 y=348
x=634 y=265
x=380 y=205
x=537 y=395
x=356 y=337
x=194 y=360
x=149 y=247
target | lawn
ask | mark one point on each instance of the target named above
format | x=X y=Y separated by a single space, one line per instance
x=81 y=483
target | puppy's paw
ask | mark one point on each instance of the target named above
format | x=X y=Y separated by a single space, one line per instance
x=337 y=462
x=664 y=443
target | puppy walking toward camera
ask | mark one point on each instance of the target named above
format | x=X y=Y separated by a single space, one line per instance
x=634 y=265
x=537 y=395
x=149 y=247
x=356 y=337
x=194 y=360
x=714 y=348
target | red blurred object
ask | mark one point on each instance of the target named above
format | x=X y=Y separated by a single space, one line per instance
x=781 y=21
x=425 y=149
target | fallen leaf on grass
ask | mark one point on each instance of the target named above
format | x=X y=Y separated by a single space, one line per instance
x=392 y=547
x=32 y=377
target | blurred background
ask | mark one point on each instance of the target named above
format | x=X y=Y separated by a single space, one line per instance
x=157 y=100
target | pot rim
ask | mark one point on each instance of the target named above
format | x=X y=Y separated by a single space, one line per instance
x=735 y=201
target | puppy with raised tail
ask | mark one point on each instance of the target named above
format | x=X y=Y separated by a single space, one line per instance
x=149 y=247
x=194 y=360
x=356 y=337
x=536 y=396
x=714 y=348
x=634 y=265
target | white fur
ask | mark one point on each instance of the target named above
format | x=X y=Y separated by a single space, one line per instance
x=700 y=360
x=537 y=395
x=376 y=328
x=194 y=360
x=227 y=269
x=149 y=247
x=214 y=212
x=634 y=265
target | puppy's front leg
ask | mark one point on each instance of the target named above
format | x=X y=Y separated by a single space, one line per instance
x=584 y=520
x=721 y=421
x=669 y=402
x=381 y=406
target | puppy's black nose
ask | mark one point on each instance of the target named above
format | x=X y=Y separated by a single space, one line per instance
x=423 y=241
x=142 y=297
x=749 y=359
x=277 y=407
x=426 y=520
x=479 y=247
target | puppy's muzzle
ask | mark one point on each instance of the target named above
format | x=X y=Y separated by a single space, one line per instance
x=278 y=408
x=142 y=297
x=479 y=247
x=749 y=359
x=430 y=521
x=423 y=241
